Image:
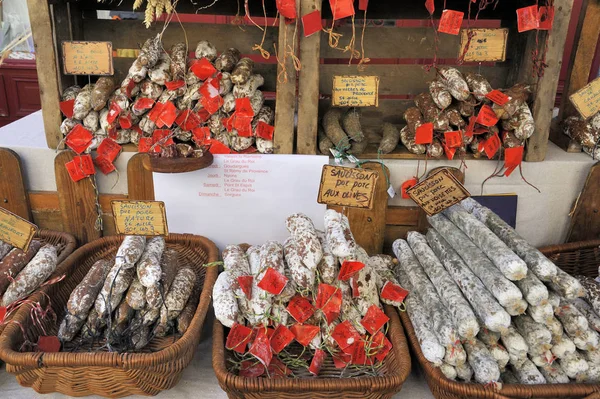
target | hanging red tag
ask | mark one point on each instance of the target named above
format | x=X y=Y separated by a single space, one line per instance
x=203 y=68
x=212 y=105
x=143 y=103
x=406 y=185
x=145 y=144
x=491 y=146
x=450 y=22
x=244 y=130
x=238 y=337
x=167 y=115
x=113 y=112
x=228 y=122
x=527 y=18
x=430 y=6
x=300 y=308
x=374 y=319
x=243 y=107
x=85 y=163
x=449 y=151
x=358 y=352
x=48 y=343
x=513 y=158
x=341 y=8
x=261 y=347
x=273 y=281
x=125 y=120
x=341 y=360
x=129 y=87
x=66 y=107
x=470 y=126
x=393 y=292
x=545 y=17
x=216 y=147
x=79 y=139
x=251 y=369
x=487 y=116
x=497 y=97
x=363 y=5
x=174 y=85
x=159 y=139
x=2 y=313
x=156 y=111
x=287 y=8
x=245 y=283
x=109 y=149
x=345 y=334
x=203 y=115
x=264 y=130
x=201 y=136
x=312 y=23
x=278 y=369
x=188 y=120
x=210 y=88
x=329 y=300
x=304 y=333
x=104 y=165
x=281 y=338
x=75 y=171
x=349 y=269
x=453 y=139
x=317 y=362
x=355 y=290
x=424 y=134
x=381 y=345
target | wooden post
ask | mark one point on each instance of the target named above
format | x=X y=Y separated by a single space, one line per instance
x=13 y=196
x=140 y=185
x=308 y=86
x=585 y=222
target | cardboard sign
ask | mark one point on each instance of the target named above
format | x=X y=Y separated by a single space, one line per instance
x=16 y=231
x=355 y=91
x=145 y=218
x=485 y=45
x=587 y=99
x=438 y=192
x=87 y=58
x=353 y=187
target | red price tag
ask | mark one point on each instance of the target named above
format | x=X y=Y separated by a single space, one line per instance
x=341 y=360
x=329 y=300
x=212 y=105
x=125 y=120
x=2 y=313
x=129 y=87
x=317 y=362
x=109 y=149
x=527 y=18
x=487 y=116
x=430 y=6
x=228 y=122
x=245 y=283
x=273 y=281
x=304 y=333
x=287 y=8
x=76 y=170
x=355 y=290
x=341 y=8
x=374 y=319
x=450 y=22
x=48 y=343
x=300 y=308
x=545 y=17
x=85 y=163
x=203 y=68
x=143 y=103
x=278 y=369
x=363 y=5
x=470 y=126
x=243 y=107
x=449 y=151
x=312 y=23
x=349 y=269
x=513 y=158
x=216 y=147
x=167 y=116
x=491 y=146
x=145 y=144
x=264 y=130
x=201 y=136
x=243 y=125
x=281 y=338
x=251 y=369
x=497 y=97
x=156 y=111
x=424 y=134
x=159 y=137
x=358 y=352
x=210 y=88
x=393 y=292
x=406 y=185
x=453 y=139
x=104 y=165
x=261 y=347
x=188 y=120
x=174 y=85
x=79 y=139
x=203 y=115
x=238 y=337
x=66 y=107
x=381 y=345
x=345 y=334
x=113 y=112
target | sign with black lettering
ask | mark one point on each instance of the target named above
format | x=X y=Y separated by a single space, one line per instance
x=437 y=192
x=87 y=58
x=342 y=186
x=15 y=230
x=355 y=91
x=144 y=218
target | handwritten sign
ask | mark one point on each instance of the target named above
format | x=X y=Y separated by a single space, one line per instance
x=587 y=99
x=355 y=91
x=437 y=192
x=485 y=45
x=87 y=58
x=16 y=231
x=343 y=186
x=146 y=218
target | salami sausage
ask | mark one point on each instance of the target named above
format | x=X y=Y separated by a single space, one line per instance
x=184 y=320
x=102 y=90
x=537 y=336
x=481 y=361
x=117 y=282
x=341 y=244
x=15 y=261
x=227 y=60
x=130 y=251
x=261 y=300
x=528 y=373
x=307 y=241
x=571 y=318
x=441 y=96
x=178 y=295
x=542 y=314
x=588 y=312
x=562 y=346
x=464 y=372
x=328 y=266
x=574 y=366
x=136 y=295
x=84 y=295
x=448 y=371
x=205 y=49
x=554 y=374
x=591 y=290
x=534 y=291
x=455 y=83
x=224 y=301
x=169 y=266
x=516 y=346
x=148 y=267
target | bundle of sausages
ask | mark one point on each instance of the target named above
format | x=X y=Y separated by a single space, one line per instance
x=488 y=306
x=129 y=299
x=584 y=132
x=318 y=293
x=173 y=107
x=21 y=273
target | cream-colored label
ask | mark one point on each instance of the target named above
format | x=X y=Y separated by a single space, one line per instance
x=87 y=58
x=355 y=91
x=144 y=218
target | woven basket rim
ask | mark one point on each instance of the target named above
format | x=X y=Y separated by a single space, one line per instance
x=508 y=391
x=114 y=359
x=68 y=239
x=394 y=380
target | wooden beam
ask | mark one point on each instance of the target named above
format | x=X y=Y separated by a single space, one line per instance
x=140 y=185
x=585 y=222
x=13 y=196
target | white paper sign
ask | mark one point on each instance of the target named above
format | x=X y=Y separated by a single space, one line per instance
x=243 y=198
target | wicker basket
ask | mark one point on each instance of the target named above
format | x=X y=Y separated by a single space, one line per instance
x=396 y=368
x=108 y=374
x=575 y=258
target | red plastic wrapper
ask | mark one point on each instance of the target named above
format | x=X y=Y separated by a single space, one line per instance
x=304 y=333
x=424 y=134
x=203 y=68
x=345 y=334
x=300 y=308
x=238 y=337
x=66 y=107
x=79 y=139
x=273 y=281
x=317 y=362
x=374 y=319
x=349 y=268
x=282 y=337
x=109 y=149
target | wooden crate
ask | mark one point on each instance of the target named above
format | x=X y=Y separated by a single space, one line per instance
x=399 y=40
x=54 y=21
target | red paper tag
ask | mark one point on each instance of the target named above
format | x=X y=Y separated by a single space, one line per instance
x=48 y=343
x=228 y=122
x=104 y=165
x=393 y=292
x=513 y=158
x=79 y=139
x=188 y=120
x=359 y=353
x=281 y=338
x=374 y=319
x=406 y=185
x=341 y=360
x=470 y=126
x=273 y=281
x=355 y=290
x=481 y=130
x=2 y=313
x=261 y=347
x=143 y=103
x=167 y=116
x=363 y=5
x=341 y=8
x=75 y=171
x=245 y=130
x=113 y=112
x=203 y=68
x=312 y=23
x=203 y=115
x=66 y=107
x=329 y=300
x=85 y=163
x=251 y=369
x=381 y=345
x=278 y=369
x=527 y=18
x=300 y=308
x=264 y=131
x=545 y=17
x=349 y=269
x=201 y=136
x=159 y=137
x=497 y=97
x=174 y=85
x=287 y=8
x=109 y=149
x=245 y=283
x=112 y=132
x=449 y=151
x=487 y=116
x=345 y=334
x=424 y=134
x=125 y=121
x=430 y=6
x=304 y=333
x=453 y=139
x=491 y=146
x=145 y=144
x=156 y=111
x=317 y=362
x=210 y=88
x=212 y=105
x=216 y=147
x=238 y=337
x=243 y=107
x=129 y=88
x=450 y=22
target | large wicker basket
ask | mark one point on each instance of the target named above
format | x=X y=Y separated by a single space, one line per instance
x=575 y=258
x=108 y=374
x=396 y=368
x=66 y=244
